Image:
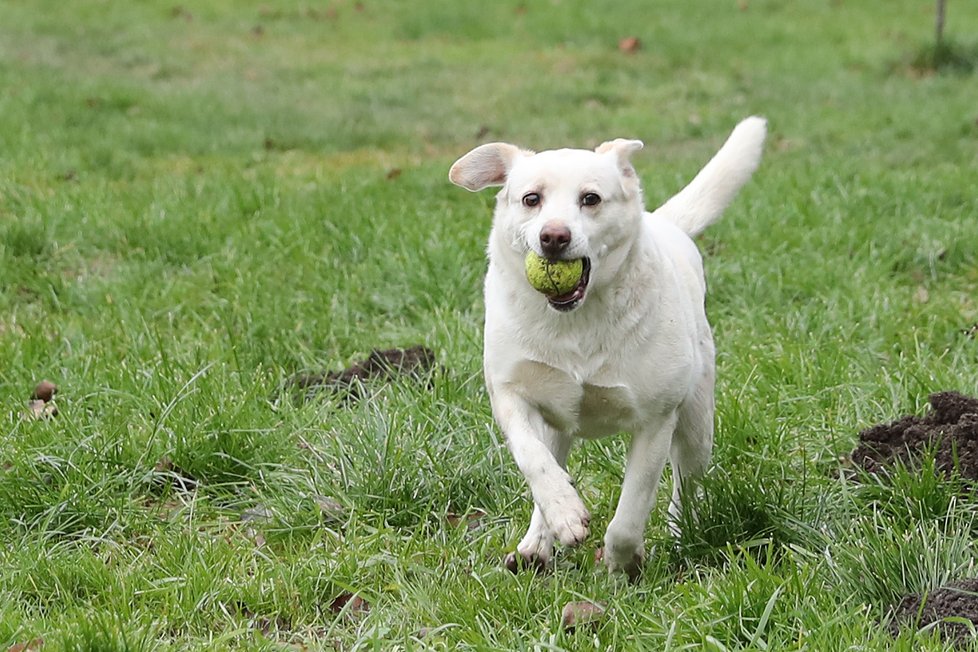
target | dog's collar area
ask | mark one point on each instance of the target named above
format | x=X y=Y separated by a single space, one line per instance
x=569 y=301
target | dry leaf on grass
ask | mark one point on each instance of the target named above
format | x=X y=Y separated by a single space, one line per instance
x=29 y=646
x=471 y=519
x=351 y=603
x=578 y=614
x=629 y=44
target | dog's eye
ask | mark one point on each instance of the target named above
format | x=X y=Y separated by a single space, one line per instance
x=531 y=199
x=590 y=199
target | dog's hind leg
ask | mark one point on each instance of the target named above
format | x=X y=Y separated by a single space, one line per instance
x=624 y=541
x=692 y=447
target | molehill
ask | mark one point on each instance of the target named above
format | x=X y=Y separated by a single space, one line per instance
x=949 y=429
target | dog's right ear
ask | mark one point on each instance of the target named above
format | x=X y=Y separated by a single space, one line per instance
x=486 y=165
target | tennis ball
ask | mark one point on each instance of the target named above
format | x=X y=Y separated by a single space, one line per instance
x=553 y=278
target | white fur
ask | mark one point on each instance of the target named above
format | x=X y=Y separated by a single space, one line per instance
x=635 y=355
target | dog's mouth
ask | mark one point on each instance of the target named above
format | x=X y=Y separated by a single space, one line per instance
x=570 y=300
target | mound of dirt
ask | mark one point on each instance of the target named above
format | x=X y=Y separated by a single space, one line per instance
x=950 y=430
x=958 y=600
x=413 y=362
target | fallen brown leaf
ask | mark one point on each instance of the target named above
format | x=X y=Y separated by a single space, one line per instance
x=356 y=604
x=629 y=44
x=577 y=614
x=33 y=644
x=471 y=519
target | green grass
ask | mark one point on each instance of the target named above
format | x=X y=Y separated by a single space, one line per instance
x=199 y=200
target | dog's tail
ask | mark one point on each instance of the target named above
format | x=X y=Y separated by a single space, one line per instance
x=701 y=203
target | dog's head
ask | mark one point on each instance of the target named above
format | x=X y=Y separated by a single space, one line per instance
x=562 y=204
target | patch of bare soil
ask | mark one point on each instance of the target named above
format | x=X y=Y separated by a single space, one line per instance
x=945 y=608
x=384 y=366
x=949 y=429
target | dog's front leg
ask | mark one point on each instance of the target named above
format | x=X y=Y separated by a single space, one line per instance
x=537 y=545
x=540 y=452
x=624 y=540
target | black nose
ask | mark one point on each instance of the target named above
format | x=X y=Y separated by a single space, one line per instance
x=554 y=238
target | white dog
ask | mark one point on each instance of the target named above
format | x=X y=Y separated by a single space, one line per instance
x=629 y=349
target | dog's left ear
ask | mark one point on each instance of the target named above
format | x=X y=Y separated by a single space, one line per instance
x=622 y=149
x=486 y=165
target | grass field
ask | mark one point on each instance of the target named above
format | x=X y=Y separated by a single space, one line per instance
x=198 y=201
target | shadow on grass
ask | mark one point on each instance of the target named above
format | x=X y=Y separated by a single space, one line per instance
x=939 y=58
x=741 y=509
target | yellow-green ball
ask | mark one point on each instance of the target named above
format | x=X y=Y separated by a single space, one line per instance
x=553 y=278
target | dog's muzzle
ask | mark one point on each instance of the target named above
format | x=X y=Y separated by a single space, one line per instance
x=570 y=300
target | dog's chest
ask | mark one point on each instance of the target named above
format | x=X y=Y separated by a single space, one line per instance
x=605 y=411
x=585 y=409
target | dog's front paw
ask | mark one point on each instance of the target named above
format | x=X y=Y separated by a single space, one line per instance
x=628 y=563
x=624 y=556
x=535 y=550
x=518 y=561
x=569 y=521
